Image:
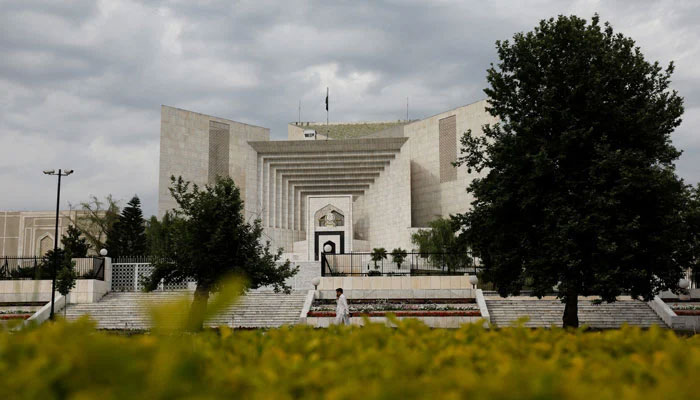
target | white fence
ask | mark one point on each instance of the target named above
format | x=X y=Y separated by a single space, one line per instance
x=130 y=273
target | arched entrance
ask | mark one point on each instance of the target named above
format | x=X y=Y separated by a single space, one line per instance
x=332 y=246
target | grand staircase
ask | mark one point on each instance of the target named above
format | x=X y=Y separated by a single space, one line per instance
x=547 y=312
x=129 y=310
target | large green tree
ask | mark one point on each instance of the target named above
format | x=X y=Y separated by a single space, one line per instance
x=208 y=239
x=578 y=187
x=127 y=236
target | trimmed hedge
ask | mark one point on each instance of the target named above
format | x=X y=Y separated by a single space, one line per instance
x=72 y=360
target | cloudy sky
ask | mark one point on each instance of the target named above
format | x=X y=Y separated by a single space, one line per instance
x=81 y=82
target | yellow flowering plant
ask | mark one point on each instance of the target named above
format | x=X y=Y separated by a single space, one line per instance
x=73 y=360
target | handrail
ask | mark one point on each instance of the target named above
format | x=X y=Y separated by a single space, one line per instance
x=408 y=264
x=34 y=267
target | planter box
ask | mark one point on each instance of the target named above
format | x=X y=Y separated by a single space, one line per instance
x=25 y=291
x=416 y=313
x=14 y=316
x=451 y=322
x=687 y=312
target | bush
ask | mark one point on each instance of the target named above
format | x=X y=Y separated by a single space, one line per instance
x=378 y=254
x=63 y=360
x=398 y=255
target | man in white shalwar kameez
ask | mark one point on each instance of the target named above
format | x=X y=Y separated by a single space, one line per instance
x=342 y=311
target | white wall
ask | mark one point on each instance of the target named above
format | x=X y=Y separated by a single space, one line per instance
x=430 y=198
x=184 y=150
x=386 y=206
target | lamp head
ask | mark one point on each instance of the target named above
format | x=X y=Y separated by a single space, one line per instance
x=67 y=172
x=49 y=171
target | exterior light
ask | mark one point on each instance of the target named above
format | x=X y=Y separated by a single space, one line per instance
x=60 y=173
x=684 y=284
x=327 y=248
x=316 y=281
x=473 y=280
x=103 y=252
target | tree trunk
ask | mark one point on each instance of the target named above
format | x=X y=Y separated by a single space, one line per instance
x=570 y=319
x=195 y=320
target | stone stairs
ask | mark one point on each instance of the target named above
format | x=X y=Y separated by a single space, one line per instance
x=129 y=310
x=547 y=312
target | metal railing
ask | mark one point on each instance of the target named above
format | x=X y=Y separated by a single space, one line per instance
x=27 y=268
x=129 y=274
x=413 y=264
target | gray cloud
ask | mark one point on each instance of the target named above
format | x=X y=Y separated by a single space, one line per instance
x=81 y=82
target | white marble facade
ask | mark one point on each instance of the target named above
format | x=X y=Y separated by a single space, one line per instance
x=382 y=185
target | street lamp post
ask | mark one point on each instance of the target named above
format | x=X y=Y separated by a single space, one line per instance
x=60 y=173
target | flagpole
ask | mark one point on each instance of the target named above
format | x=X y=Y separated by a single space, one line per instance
x=328 y=131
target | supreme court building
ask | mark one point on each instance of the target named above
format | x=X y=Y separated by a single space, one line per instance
x=351 y=186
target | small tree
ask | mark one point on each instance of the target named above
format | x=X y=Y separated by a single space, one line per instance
x=58 y=259
x=74 y=244
x=378 y=254
x=96 y=218
x=579 y=182
x=209 y=239
x=65 y=281
x=440 y=238
x=441 y=244
x=398 y=256
x=127 y=236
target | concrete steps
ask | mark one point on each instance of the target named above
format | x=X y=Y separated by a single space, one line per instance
x=129 y=310
x=548 y=312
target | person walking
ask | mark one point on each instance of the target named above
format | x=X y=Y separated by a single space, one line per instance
x=342 y=311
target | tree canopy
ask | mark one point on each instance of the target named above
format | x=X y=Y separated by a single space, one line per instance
x=208 y=239
x=127 y=236
x=74 y=244
x=157 y=237
x=578 y=186
x=440 y=238
x=441 y=245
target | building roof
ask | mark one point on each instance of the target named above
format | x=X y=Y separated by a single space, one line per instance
x=314 y=146
x=348 y=130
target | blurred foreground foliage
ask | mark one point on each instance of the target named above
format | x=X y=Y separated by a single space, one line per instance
x=72 y=360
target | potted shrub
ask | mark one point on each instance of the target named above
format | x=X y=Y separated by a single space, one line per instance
x=378 y=254
x=398 y=256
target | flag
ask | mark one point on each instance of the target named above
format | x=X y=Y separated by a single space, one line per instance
x=326 y=99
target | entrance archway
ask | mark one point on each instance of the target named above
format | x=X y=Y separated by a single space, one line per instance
x=332 y=246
